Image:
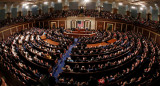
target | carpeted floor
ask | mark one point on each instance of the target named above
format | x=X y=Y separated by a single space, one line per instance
x=61 y=62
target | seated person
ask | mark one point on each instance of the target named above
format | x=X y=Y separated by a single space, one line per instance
x=69 y=59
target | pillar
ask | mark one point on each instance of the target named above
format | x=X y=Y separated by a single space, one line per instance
x=98 y=8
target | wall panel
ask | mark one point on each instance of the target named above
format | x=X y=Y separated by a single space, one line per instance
x=62 y=24
x=155 y=14
x=139 y=30
x=91 y=6
x=152 y=36
x=145 y=33
x=118 y=26
x=2 y=14
x=13 y=30
x=6 y=34
x=14 y=12
x=100 y=25
x=1 y=36
x=121 y=10
x=20 y=28
x=134 y=13
x=107 y=7
x=58 y=6
x=158 y=39
x=129 y=28
x=73 y=5
x=123 y=27
x=30 y=25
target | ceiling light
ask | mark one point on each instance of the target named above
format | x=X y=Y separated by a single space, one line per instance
x=86 y=0
x=141 y=8
x=155 y=4
x=24 y=4
x=27 y=7
x=59 y=1
x=34 y=5
x=120 y=3
x=46 y=3
x=133 y=7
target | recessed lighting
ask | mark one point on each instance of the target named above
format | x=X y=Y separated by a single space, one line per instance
x=34 y=5
x=120 y=3
x=86 y=0
x=24 y=5
x=45 y=3
x=141 y=8
x=59 y=1
x=27 y=7
x=133 y=7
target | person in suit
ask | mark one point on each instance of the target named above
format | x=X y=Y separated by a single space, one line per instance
x=51 y=80
x=76 y=68
x=92 y=82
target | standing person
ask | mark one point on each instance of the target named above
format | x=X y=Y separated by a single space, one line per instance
x=51 y=80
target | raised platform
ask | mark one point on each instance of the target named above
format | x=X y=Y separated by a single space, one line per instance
x=79 y=33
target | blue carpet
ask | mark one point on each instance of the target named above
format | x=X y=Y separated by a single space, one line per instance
x=58 y=68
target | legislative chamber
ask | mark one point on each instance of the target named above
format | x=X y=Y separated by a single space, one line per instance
x=79 y=43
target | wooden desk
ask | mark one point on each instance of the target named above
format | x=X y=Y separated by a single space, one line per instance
x=79 y=33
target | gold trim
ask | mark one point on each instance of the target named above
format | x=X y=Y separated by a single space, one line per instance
x=11 y=27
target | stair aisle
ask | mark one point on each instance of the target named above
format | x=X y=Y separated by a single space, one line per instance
x=61 y=62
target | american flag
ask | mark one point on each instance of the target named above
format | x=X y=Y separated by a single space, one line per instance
x=80 y=23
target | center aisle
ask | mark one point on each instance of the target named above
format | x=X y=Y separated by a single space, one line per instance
x=61 y=62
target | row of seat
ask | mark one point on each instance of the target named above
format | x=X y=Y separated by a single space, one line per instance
x=132 y=66
x=26 y=58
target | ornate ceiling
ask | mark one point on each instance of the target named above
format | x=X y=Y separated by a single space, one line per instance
x=146 y=3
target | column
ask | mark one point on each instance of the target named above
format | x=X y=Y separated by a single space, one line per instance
x=126 y=27
x=115 y=27
x=104 y=27
x=121 y=26
x=58 y=23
